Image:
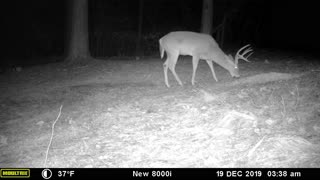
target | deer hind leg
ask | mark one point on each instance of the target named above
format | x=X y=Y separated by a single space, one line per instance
x=195 y=62
x=171 y=64
x=212 y=70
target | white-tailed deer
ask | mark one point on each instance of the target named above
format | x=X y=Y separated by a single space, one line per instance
x=199 y=46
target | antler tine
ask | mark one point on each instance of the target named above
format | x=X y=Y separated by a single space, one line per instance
x=242 y=48
x=242 y=55
x=245 y=54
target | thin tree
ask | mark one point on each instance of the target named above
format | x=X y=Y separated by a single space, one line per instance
x=78 y=38
x=140 y=22
x=207 y=15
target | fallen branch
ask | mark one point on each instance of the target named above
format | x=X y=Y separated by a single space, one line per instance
x=45 y=162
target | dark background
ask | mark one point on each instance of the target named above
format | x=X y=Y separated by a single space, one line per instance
x=37 y=28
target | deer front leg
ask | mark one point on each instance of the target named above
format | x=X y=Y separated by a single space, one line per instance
x=172 y=61
x=195 y=61
x=212 y=70
x=165 y=70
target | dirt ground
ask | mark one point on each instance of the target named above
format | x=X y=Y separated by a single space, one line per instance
x=119 y=113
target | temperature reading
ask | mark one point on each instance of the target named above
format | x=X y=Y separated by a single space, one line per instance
x=65 y=173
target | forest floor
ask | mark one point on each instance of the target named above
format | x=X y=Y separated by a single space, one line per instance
x=119 y=113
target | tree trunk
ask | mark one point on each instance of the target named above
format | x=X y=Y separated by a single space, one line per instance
x=223 y=30
x=207 y=8
x=140 y=21
x=78 y=40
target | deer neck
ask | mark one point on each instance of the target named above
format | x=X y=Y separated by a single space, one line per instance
x=221 y=59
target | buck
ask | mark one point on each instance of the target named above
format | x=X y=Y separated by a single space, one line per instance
x=199 y=46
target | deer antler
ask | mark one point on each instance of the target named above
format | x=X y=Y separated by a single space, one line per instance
x=242 y=55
